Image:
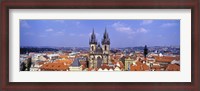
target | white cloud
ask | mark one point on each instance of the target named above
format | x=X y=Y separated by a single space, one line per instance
x=128 y=29
x=24 y=24
x=143 y=30
x=168 y=24
x=118 y=26
x=49 y=30
x=146 y=22
x=125 y=30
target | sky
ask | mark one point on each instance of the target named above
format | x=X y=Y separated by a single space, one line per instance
x=122 y=33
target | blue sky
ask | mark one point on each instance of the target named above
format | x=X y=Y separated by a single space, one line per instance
x=122 y=33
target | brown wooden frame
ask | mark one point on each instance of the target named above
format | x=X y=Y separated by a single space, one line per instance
x=100 y=4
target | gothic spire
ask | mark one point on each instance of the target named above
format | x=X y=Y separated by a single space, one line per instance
x=105 y=34
x=105 y=39
x=93 y=34
x=93 y=38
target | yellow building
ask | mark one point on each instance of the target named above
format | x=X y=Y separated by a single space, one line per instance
x=128 y=62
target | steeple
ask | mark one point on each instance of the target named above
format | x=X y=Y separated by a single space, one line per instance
x=106 y=39
x=93 y=34
x=93 y=38
x=105 y=34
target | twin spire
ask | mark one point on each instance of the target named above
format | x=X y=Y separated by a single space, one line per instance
x=93 y=38
x=105 y=34
x=105 y=40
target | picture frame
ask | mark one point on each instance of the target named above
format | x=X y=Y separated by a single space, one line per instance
x=100 y=4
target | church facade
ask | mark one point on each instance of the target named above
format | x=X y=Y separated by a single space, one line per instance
x=99 y=54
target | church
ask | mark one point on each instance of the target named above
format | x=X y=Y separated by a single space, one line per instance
x=99 y=54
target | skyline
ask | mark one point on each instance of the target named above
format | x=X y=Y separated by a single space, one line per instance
x=76 y=33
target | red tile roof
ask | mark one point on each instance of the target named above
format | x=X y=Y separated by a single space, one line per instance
x=63 y=56
x=166 y=58
x=135 y=68
x=139 y=67
x=156 y=67
x=67 y=61
x=105 y=66
x=91 y=69
x=145 y=67
x=173 y=67
x=54 y=67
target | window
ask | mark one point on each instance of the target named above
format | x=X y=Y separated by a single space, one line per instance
x=105 y=47
x=92 y=48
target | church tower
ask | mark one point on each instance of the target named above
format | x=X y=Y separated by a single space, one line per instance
x=99 y=55
x=106 y=47
x=93 y=42
x=93 y=46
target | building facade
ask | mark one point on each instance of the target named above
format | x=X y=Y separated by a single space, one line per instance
x=99 y=54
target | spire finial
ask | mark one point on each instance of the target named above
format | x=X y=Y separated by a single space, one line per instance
x=93 y=31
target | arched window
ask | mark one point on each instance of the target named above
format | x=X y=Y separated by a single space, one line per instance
x=92 y=48
x=105 y=47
